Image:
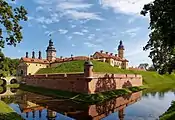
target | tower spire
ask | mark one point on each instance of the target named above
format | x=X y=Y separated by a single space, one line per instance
x=51 y=51
x=121 y=49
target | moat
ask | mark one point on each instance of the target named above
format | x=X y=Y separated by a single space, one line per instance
x=136 y=106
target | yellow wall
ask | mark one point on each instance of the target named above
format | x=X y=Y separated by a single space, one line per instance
x=34 y=67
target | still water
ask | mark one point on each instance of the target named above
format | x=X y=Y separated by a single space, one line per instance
x=136 y=106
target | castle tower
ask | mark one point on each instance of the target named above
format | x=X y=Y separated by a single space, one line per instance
x=88 y=69
x=51 y=51
x=121 y=50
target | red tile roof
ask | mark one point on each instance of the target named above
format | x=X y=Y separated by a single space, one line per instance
x=34 y=60
x=104 y=55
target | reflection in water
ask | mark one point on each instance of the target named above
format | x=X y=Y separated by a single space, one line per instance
x=3 y=89
x=39 y=107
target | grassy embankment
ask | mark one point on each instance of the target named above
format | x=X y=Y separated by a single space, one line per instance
x=86 y=98
x=7 y=113
x=152 y=80
x=170 y=113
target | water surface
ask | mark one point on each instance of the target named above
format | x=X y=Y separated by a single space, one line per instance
x=136 y=106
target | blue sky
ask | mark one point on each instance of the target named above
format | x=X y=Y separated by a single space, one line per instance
x=81 y=27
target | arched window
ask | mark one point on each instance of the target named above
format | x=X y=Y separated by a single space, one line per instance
x=22 y=72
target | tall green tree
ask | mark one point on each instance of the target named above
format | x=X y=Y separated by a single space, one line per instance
x=10 y=29
x=10 y=33
x=161 y=41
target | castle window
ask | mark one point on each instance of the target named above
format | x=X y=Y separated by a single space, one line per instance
x=47 y=66
x=36 y=64
x=40 y=65
x=22 y=72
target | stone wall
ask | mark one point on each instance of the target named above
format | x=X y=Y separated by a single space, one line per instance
x=79 y=83
x=66 y=82
x=106 y=82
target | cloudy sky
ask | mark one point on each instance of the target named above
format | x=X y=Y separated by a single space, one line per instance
x=81 y=27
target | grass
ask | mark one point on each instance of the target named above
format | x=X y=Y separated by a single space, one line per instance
x=7 y=113
x=152 y=80
x=170 y=113
x=86 y=98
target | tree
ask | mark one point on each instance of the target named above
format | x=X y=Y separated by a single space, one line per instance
x=161 y=42
x=8 y=66
x=10 y=33
x=10 y=29
x=143 y=66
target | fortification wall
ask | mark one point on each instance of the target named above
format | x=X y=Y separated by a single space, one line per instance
x=106 y=82
x=78 y=83
x=66 y=82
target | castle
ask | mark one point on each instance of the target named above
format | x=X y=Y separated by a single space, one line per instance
x=29 y=66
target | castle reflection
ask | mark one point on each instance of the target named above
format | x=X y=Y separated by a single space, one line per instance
x=31 y=103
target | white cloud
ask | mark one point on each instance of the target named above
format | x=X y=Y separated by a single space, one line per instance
x=44 y=26
x=84 y=30
x=132 y=32
x=44 y=20
x=125 y=6
x=69 y=37
x=12 y=2
x=73 y=45
x=88 y=44
x=131 y=20
x=62 y=31
x=73 y=5
x=39 y=8
x=73 y=26
x=82 y=15
x=97 y=29
x=43 y=2
x=78 y=33
x=73 y=9
x=49 y=32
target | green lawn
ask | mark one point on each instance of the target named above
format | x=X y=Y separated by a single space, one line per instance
x=150 y=79
x=7 y=113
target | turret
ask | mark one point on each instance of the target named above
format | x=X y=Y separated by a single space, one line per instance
x=51 y=51
x=88 y=69
x=27 y=55
x=39 y=57
x=121 y=50
x=33 y=55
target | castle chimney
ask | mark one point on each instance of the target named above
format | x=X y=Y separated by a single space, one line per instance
x=33 y=54
x=115 y=55
x=111 y=54
x=106 y=52
x=39 y=57
x=27 y=55
x=71 y=57
x=101 y=51
x=61 y=57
